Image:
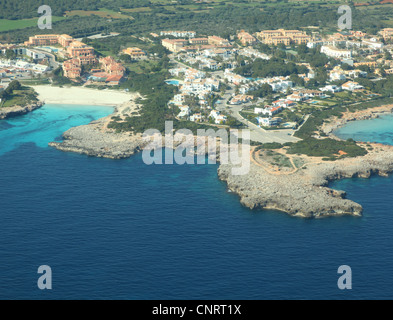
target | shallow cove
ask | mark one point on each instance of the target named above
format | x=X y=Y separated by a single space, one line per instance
x=372 y=130
x=47 y=124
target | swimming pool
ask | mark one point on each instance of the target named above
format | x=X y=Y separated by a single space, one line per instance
x=173 y=82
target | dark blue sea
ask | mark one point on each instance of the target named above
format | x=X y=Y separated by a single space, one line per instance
x=119 y=229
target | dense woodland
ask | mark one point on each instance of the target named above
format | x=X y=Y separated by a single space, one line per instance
x=18 y=9
x=224 y=19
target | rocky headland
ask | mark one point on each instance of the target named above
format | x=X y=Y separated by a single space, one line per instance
x=95 y=139
x=14 y=111
x=302 y=191
x=305 y=192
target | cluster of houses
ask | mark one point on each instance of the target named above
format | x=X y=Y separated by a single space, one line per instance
x=252 y=53
x=357 y=48
x=216 y=116
x=214 y=53
x=212 y=59
x=111 y=72
x=345 y=38
x=19 y=68
x=241 y=98
x=278 y=84
x=25 y=63
x=266 y=115
x=196 y=84
x=338 y=74
x=32 y=54
x=79 y=55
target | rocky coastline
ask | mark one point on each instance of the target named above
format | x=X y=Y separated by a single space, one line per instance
x=91 y=141
x=96 y=140
x=15 y=111
x=303 y=193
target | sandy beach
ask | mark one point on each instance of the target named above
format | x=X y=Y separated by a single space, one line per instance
x=82 y=96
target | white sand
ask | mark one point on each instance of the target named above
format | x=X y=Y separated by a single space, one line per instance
x=82 y=96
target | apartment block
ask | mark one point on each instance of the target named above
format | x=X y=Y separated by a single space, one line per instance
x=179 y=34
x=218 y=41
x=65 y=40
x=42 y=40
x=72 y=68
x=112 y=67
x=174 y=45
x=286 y=37
x=135 y=53
x=266 y=34
x=300 y=39
x=336 y=53
x=48 y=39
x=82 y=51
x=278 y=40
x=246 y=38
x=371 y=64
x=199 y=41
x=387 y=33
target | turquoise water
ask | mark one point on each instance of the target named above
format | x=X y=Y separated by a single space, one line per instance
x=46 y=124
x=119 y=229
x=173 y=82
x=373 y=130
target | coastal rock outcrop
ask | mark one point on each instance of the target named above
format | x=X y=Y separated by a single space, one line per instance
x=14 y=111
x=96 y=140
x=305 y=193
x=294 y=194
x=92 y=141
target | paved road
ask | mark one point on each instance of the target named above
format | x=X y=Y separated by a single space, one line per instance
x=52 y=58
x=256 y=133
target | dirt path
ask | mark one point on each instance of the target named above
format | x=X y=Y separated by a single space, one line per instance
x=268 y=167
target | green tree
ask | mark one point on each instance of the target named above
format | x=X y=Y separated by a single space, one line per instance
x=10 y=54
x=14 y=85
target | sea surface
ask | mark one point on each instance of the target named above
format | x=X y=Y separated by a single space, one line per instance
x=120 y=229
x=371 y=130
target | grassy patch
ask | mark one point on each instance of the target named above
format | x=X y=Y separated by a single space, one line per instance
x=20 y=98
x=103 y=13
x=137 y=10
x=8 y=25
